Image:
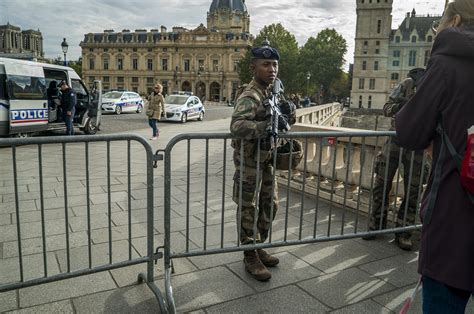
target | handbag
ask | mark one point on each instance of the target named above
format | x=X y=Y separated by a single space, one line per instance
x=150 y=112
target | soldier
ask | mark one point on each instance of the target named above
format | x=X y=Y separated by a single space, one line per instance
x=250 y=122
x=406 y=215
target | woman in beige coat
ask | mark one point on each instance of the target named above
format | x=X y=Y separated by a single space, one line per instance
x=156 y=106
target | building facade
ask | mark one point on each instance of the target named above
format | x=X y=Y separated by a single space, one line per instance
x=383 y=56
x=18 y=44
x=203 y=60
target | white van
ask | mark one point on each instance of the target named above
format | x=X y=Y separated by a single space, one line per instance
x=29 y=98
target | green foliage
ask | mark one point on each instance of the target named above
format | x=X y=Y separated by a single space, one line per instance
x=322 y=57
x=77 y=66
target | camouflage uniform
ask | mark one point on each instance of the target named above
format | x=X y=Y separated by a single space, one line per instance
x=397 y=99
x=249 y=122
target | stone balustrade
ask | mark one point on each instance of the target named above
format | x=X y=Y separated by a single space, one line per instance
x=328 y=114
x=343 y=170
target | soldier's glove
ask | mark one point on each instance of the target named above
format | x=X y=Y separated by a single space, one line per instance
x=283 y=124
x=288 y=109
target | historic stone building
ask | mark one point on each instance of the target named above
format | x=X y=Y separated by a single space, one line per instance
x=383 y=56
x=18 y=44
x=202 y=60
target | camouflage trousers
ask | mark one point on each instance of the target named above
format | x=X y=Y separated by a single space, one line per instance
x=384 y=175
x=259 y=201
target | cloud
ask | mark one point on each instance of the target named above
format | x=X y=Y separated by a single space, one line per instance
x=304 y=18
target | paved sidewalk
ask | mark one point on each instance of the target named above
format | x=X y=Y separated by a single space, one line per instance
x=349 y=276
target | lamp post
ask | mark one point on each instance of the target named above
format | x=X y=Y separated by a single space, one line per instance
x=64 y=47
x=308 y=76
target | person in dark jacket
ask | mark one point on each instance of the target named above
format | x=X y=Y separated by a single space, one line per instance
x=445 y=94
x=68 y=102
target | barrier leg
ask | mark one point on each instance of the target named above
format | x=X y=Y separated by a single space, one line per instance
x=156 y=291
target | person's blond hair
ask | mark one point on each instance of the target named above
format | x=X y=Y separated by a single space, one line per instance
x=159 y=86
x=463 y=8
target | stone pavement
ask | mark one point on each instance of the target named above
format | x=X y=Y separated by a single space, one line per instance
x=347 y=276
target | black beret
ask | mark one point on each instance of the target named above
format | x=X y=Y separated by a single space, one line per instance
x=265 y=52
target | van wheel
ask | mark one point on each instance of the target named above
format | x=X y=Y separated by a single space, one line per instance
x=201 y=116
x=22 y=135
x=118 y=110
x=139 y=108
x=91 y=127
x=184 y=118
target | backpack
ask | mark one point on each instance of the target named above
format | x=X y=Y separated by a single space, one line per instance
x=464 y=164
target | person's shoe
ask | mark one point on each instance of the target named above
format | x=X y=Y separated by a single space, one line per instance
x=404 y=242
x=154 y=138
x=254 y=266
x=267 y=259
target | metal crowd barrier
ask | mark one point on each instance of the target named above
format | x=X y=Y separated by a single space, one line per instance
x=36 y=155
x=198 y=186
x=202 y=178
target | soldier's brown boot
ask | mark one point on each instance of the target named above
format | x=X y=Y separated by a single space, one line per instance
x=254 y=266
x=267 y=259
x=404 y=242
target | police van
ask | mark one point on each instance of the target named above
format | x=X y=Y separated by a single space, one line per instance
x=30 y=98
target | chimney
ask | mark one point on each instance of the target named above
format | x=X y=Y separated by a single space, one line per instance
x=413 y=13
x=163 y=29
x=407 y=19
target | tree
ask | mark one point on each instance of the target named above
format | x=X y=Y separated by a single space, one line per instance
x=323 y=57
x=287 y=46
x=340 y=87
x=77 y=66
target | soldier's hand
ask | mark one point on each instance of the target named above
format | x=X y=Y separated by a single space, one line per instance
x=69 y=113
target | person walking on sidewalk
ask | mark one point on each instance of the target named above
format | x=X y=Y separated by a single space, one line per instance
x=443 y=108
x=250 y=122
x=384 y=173
x=156 y=107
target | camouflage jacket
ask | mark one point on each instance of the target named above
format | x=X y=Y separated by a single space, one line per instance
x=398 y=98
x=249 y=121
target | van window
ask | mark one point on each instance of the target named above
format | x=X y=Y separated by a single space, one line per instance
x=78 y=88
x=26 y=87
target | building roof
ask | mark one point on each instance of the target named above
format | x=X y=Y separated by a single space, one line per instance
x=232 y=5
x=422 y=24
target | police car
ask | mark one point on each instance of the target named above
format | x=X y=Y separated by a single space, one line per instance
x=121 y=101
x=183 y=106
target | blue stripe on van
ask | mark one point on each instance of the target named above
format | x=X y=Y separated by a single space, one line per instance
x=4 y=105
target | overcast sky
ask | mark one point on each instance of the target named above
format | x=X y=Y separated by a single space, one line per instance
x=73 y=19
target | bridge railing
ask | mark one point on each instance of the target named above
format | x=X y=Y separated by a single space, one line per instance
x=327 y=114
x=343 y=165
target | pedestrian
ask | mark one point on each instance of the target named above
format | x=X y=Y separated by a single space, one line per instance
x=392 y=154
x=249 y=123
x=156 y=107
x=444 y=102
x=68 y=104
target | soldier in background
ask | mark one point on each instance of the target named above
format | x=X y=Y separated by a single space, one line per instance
x=406 y=215
x=249 y=123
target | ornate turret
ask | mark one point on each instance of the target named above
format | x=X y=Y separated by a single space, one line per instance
x=228 y=16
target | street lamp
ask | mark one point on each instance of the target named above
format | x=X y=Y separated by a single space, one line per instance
x=64 y=47
x=308 y=76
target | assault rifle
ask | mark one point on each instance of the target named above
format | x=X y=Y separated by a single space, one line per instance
x=279 y=121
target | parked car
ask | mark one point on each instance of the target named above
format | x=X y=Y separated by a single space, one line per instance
x=122 y=101
x=183 y=106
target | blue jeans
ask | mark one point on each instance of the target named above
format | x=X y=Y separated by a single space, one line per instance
x=442 y=299
x=68 y=120
x=152 y=123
